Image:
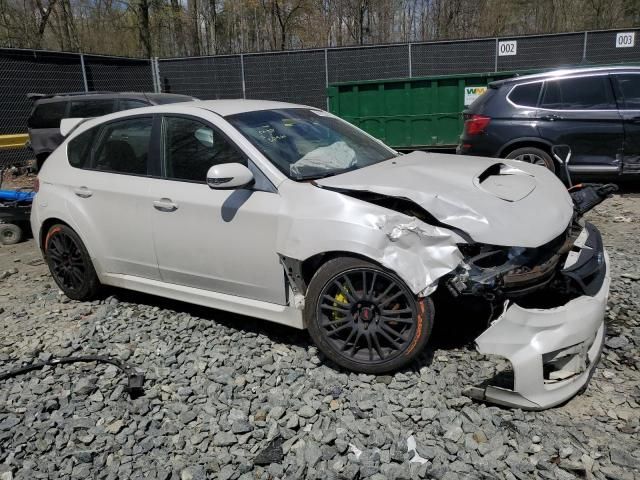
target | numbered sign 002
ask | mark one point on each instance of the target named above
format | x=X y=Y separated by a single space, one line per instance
x=508 y=47
x=625 y=39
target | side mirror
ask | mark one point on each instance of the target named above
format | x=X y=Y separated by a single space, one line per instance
x=227 y=176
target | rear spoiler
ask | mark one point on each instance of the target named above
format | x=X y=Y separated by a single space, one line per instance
x=68 y=125
x=39 y=96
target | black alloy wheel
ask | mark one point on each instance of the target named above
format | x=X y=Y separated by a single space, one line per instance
x=69 y=263
x=366 y=319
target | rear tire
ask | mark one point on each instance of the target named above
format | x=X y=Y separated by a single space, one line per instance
x=10 y=233
x=70 y=264
x=533 y=155
x=364 y=318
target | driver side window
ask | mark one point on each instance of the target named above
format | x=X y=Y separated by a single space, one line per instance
x=191 y=147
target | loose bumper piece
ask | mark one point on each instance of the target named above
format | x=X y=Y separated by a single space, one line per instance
x=553 y=352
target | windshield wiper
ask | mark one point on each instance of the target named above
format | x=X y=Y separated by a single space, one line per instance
x=326 y=174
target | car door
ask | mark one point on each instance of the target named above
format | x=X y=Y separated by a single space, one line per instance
x=581 y=112
x=110 y=189
x=218 y=240
x=628 y=95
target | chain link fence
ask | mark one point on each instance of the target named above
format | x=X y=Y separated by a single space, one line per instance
x=294 y=76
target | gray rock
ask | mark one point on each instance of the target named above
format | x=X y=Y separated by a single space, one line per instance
x=454 y=434
x=312 y=453
x=9 y=422
x=617 y=342
x=193 y=473
x=623 y=458
x=307 y=411
x=85 y=385
x=224 y=439
x=241 y=426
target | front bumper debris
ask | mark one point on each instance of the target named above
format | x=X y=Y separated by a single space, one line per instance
x=553 y=351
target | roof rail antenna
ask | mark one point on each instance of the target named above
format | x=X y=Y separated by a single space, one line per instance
x=37 y=96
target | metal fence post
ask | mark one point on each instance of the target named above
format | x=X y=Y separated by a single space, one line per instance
x=152 y=65
x=326 y=75
x=584 y=48
x=155 y=71
x=84 y=73
x=410 y=69
x=244 y=86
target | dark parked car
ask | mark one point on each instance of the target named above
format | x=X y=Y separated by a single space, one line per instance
x=595 y=111
x=49 y=110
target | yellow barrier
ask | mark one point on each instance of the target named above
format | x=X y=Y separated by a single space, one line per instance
x=16 y=140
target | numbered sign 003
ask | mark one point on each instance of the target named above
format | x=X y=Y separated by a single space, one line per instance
x=625 y=39
x=508 y=47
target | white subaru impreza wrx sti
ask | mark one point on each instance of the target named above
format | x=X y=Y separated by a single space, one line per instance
x=290 y=214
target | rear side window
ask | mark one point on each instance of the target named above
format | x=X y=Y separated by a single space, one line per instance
x=526 y=95
x=124 y=146
x=79 y=148
x=90 y=108
x=586 y=93
x=629 y=86
x=47 y=115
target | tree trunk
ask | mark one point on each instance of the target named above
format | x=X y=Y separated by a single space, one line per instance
x=143 y=28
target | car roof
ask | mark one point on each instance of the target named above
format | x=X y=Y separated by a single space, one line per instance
x=565 y=72
x=225 y=108
x=145 y=96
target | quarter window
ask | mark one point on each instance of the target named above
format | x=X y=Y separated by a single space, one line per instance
x=192 y=147
x=526 y=95
x=79 y=148
x=630 y=89
x=124 y=146
x=586 y=93
x=90 y=108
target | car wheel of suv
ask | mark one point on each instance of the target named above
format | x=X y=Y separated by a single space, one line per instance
x=70 y=263
x=533 y=155
x=364 y=317
x=10 y=234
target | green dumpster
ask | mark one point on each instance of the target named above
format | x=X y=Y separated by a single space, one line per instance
x=411 y=113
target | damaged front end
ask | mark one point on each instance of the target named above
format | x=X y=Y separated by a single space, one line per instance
x=550 y=324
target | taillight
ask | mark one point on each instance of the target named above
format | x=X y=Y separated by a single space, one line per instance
x=36 y=185
x=476 y=124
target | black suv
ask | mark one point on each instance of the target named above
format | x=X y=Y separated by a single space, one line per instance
x=49 y=110
x=596 y=111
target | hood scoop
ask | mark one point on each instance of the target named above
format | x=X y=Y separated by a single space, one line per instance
x=506 y=182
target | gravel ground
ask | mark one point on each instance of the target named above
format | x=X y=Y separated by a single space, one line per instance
x=231 y=397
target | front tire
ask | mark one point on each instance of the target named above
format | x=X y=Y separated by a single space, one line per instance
x=533 y=155
x=70 y=264
x=364 y=318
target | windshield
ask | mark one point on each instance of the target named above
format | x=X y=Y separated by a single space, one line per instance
x=306 y=144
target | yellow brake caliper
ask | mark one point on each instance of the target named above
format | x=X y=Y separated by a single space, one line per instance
x=340 y=299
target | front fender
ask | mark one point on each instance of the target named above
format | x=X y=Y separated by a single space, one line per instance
x=417 y=252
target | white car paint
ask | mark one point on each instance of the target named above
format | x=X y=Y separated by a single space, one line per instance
x=224 y=248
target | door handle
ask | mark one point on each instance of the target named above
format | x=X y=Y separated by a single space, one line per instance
x=635 y=120
x=83 y=192
x=165 y=205
x=551 y=118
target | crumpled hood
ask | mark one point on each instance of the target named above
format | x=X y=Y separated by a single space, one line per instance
x=495 y=201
